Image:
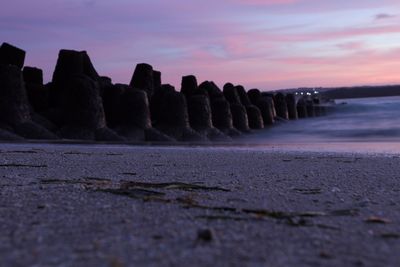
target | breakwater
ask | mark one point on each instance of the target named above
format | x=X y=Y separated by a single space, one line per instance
x=79 y=104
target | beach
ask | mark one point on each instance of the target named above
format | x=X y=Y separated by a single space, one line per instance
x=116 y=205
x=199 y=133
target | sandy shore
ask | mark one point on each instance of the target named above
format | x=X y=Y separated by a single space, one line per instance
x=80 y=205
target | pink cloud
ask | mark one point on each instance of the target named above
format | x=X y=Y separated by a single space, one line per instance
x=267 y=2
x=351 y=45
x=331 y=34
x=216 y=40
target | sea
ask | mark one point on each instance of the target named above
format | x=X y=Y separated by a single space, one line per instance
x=362 y=124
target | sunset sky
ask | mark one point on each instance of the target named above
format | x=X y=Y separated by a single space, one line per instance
x=268 y=44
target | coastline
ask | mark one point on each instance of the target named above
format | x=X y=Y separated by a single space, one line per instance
x=105 y=205
x=377 y=147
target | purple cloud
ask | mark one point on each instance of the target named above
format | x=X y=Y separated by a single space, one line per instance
x=248 y=42
x=384 y=16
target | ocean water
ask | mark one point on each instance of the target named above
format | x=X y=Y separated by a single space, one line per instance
x=365 y=125
x=365 y=120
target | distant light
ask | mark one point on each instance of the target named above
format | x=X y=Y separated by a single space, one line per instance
x=308 y=93
x=297 y=93
x=316 y=92
x=301 y=93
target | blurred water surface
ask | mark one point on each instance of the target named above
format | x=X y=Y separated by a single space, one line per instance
x=351 y=120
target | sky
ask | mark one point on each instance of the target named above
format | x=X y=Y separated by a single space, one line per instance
x=265 y=44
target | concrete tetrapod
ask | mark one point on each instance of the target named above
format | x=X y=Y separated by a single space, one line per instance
x=200 y=118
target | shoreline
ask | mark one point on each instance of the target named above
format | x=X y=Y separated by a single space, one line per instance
x=78 y=205
x=379 y=148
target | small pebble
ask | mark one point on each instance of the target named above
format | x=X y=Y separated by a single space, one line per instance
x=42 y=206
x=325 y=255
x=205 y=235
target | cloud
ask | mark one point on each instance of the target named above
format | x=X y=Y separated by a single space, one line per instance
x=326 y=34
x=267 y=2
x=264 y=43
x=313 y=6
x=381 y=16
x=351 y=46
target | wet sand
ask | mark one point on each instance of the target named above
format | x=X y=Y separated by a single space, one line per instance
x=86 y=205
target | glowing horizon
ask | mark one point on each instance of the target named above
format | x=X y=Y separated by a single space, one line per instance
x=265 y=44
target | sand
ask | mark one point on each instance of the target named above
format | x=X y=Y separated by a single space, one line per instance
x=81 y=205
